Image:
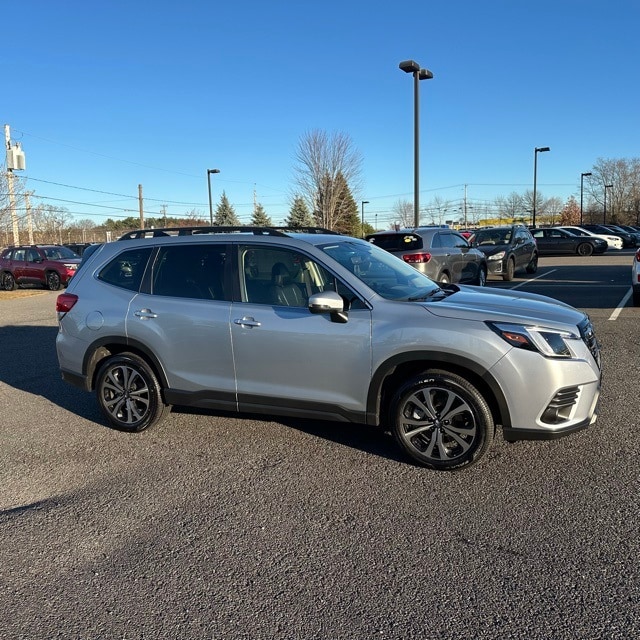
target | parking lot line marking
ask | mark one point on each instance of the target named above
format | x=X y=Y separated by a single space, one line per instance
x=520 y=284
x=621 y=305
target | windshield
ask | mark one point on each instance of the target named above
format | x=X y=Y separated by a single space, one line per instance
x=492 y=236
x=389 y=276
x=59 y=253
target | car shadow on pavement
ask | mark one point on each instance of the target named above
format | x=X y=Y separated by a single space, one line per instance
x=371 y=440
x=28 y=362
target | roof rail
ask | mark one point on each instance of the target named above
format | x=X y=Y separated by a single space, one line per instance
x=191 y=231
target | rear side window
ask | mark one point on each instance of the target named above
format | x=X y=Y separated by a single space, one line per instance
x=190 y=271
x=397 y=241
x=126 y=269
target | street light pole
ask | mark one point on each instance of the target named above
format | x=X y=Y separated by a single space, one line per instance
x=411 y=66
x=362 y=203
x=209 y=172
x=582 y=177
x=535 y=177
x=604 y=217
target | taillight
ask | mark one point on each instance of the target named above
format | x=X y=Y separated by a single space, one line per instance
x=65 y=302
x=638 y=255
x=415 y=258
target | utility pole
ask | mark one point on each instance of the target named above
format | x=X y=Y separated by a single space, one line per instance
x=466 y=226
x=164 y=215
x=140 y=206
x=12 y=198
x=27 y=203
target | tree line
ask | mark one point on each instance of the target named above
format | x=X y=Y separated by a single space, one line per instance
x=327 y=173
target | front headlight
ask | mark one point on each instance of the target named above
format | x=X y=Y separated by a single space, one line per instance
x=549 y=342
x=496 y=256
x=71 y=266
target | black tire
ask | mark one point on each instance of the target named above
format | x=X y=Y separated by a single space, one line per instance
x=53 y=281
x=636 y=297
x=8 y=282
x=442 y=421
x=510 y=270
x=444 y=278
x=129 y=394
x=481 y=280
x=584 y=249
x=532 y=267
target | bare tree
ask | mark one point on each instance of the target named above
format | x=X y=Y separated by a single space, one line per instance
x=623 y=203
x=438 y=209
x=403 y=213
x=326 y=163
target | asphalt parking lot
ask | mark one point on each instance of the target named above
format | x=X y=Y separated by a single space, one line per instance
x=213 y=526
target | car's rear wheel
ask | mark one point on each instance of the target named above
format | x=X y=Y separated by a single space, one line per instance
x=8 y=281
x=584 y=249
x=636 y=296
x=53 y=281
x=129 y=393
x=442 y=421
x=532 y=267
x=510 y=269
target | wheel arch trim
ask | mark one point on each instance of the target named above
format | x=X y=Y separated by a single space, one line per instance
x=430 y=360
x=111 y=345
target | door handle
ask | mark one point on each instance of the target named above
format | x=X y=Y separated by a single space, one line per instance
x=145 y=314
x=247 y=322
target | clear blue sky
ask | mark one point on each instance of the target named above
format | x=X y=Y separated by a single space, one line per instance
x=106 y=96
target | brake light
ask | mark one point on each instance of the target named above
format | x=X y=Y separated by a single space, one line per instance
x=65 y=302
x=416 y=258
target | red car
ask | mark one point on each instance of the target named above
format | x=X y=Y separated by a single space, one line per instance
x=51 y=266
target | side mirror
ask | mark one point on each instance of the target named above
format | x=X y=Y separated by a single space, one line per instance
x=328 y=302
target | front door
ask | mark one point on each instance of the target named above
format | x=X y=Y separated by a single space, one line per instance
x=286 y=357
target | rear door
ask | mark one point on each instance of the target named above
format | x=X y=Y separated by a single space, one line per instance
x=19 y=264
x=182 y=315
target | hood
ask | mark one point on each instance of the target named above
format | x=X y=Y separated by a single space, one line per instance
x=66 y=260
x=491 y=249
x=479 y=303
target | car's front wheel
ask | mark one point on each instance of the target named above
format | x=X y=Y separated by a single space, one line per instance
x=584 y=249
x=53 y=281
x=509 y=270
x=442 y=421
x=129 y=393
x=481 y=281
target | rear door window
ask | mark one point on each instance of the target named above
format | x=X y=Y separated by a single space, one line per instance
x=191 y=271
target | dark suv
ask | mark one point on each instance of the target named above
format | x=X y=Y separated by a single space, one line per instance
x=49 y=265
x=508 y=249
x=442 y=254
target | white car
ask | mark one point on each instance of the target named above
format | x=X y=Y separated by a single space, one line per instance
x=635 y=278
x=614 y=242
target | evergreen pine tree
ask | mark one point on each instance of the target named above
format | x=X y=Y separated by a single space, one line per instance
x=225 y=213
x=299 y=215
x=347 y=218
x=260 y=218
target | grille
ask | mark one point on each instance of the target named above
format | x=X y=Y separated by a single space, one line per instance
x=589 y=337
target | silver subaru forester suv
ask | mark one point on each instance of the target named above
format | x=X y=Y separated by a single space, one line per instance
x=326 y=326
